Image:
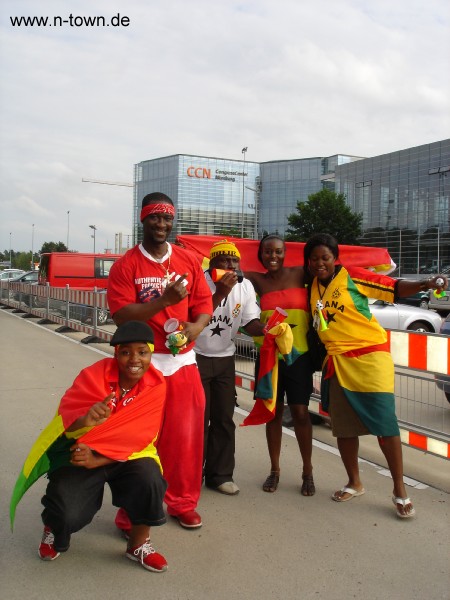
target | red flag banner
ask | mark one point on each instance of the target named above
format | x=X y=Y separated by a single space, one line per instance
x=375 y=259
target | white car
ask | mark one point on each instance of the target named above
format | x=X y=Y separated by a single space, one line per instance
x=9 y=274
x=401 y=316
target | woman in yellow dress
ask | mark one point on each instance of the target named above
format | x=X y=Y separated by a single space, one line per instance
x=358 y=375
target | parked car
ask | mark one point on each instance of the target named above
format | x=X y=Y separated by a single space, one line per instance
x=8 y=274
x=26 y=277
x=427 y=300
x=441 y=305
x=443 y=381
x=420 y=300
x=401 y=316
x=30 y=277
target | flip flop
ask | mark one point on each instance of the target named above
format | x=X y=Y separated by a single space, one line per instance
x=403 y=502
x=347 y=490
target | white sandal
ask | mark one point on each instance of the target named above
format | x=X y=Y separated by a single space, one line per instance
x=403 y=502
x=347 y=490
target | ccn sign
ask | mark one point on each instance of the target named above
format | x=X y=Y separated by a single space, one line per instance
x=199 y=172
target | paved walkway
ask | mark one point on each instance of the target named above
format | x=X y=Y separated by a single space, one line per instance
x=252 y=546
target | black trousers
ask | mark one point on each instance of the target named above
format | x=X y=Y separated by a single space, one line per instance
x=75 y=494
x=218 y=379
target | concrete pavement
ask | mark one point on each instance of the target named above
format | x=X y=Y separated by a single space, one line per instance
x=251 y=546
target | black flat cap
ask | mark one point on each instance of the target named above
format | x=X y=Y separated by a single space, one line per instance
x=132 y=331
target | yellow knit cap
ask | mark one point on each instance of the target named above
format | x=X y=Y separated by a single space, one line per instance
x=224 y=247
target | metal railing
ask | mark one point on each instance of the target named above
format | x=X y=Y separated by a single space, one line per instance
x=85 y=311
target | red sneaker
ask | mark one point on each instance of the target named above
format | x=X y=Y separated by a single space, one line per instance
x=189 y=519
x=123 y=522
x=46 y=550
x=148 y=557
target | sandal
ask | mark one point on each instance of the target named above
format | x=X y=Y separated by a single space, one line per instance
x=271 y=483
x=352 y=493
x=308 y=488
x=404 y=502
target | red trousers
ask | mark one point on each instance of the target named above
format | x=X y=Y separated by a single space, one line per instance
x=180 y=444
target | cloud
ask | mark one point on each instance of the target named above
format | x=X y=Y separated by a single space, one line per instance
x=288 y=79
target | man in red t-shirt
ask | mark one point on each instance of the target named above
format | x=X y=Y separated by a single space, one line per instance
x=153 y=282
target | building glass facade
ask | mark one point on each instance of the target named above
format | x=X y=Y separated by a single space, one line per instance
x=213 y=196
x=285 y=183
x=404 y=200
x=217 y=196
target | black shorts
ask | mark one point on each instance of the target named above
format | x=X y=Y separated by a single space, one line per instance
x=74 y=495
x=295 y=381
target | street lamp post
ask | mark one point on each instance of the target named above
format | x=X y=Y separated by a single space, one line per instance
x=10 y=263
x=255 y=206
x=32 y=247
x=94 y=228
x=244 y=150
x=68 y=224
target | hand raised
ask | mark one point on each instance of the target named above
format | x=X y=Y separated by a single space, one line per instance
x=175 y=291
x=99 y=412
x=226 y=283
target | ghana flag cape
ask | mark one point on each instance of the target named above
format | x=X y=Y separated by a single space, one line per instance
x=129 y=433
x=277 y=341
x=368 y=257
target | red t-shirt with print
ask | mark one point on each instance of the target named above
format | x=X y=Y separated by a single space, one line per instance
x=135 y=278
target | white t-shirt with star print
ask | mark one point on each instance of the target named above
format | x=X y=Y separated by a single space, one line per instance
x=236 y=310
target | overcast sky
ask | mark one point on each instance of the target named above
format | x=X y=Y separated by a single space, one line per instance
x=286 y=78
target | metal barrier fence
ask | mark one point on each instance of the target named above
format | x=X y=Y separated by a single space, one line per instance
x=422 y=408
x=85 y=311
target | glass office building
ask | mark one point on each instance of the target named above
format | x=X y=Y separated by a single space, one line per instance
x=284 y=183
x=213 y=196
x=217 y=196
x=403 y=197
x=404 y=200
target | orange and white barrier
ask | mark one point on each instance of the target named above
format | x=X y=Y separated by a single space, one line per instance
x=423 y=351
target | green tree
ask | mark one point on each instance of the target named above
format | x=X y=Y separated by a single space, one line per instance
x=324 y=212
x=6 y=255
x=53 y=247
x=23 y=260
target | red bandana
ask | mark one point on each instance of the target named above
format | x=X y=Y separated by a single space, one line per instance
x=152 y=209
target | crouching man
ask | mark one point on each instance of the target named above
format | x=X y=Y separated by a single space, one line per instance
x=104 y=433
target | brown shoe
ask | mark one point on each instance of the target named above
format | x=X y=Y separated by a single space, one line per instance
x=271 y=483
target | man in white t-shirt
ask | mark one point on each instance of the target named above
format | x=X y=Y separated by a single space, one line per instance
x=235 y=306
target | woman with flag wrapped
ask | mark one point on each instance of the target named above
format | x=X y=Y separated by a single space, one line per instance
x=105 y=431
x=358 y=377
x=283 y=287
